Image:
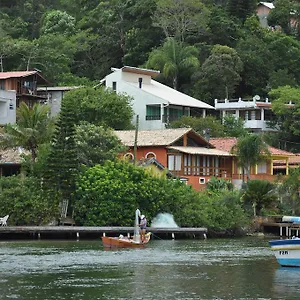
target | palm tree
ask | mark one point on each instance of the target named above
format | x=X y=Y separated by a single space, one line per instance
x=172 y=59
x=33 y=127
x=250 y=150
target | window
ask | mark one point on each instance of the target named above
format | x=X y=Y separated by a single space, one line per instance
x=174 y=162
x=262 y=168
x=150 y=155
x=2 y=85
x=153 y=112
x=114 y=86
x=129 y=156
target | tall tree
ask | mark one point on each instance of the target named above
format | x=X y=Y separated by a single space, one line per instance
x=172 y=59
x=250 y=150
x=32 y=129
x=221 y=72
x=183 y=20
x=62 y=163
x=96 y=144
x=241 y=9
x=101 y=107
x=286 y=105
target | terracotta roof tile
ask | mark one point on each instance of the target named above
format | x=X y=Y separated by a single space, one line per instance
x=227 y=143
x=164 y=137
x=6 y=75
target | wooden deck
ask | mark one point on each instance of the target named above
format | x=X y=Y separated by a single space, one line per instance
x=90 y=231
x=285 y=229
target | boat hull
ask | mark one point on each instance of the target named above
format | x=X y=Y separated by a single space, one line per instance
x=116 y=242
x=287 y=252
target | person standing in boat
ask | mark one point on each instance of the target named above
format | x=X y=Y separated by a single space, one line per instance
x=143 y=227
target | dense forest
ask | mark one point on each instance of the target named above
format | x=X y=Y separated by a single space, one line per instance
x=209 y=49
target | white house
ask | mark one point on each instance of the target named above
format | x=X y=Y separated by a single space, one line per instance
x=256 y=113
x=155 y=103
x=54 y=96
x=7 y=107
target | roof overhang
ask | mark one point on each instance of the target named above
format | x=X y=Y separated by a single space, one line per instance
x=200 y=150
x=152 y=73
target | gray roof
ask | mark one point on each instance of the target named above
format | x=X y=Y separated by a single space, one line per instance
x=152 y=137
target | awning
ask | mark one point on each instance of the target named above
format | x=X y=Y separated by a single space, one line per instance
x=200 y=150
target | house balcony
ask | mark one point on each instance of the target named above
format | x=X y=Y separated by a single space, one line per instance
x=203 y=171
x=223 y=104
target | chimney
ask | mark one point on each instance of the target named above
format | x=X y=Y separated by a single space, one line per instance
x=140 y=82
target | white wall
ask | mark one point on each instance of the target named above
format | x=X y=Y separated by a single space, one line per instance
x=140 y=97
x=7 y=107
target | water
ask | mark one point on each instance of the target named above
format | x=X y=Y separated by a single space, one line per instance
x=179 y=269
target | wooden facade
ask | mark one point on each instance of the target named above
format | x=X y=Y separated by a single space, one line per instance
x=25 y=84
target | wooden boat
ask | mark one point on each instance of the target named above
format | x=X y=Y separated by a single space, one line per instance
x=124 y=242
x=287 y=252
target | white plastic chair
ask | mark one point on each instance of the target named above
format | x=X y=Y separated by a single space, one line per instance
x=3 y=221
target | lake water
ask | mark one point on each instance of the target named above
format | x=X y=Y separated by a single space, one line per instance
x=166 y=269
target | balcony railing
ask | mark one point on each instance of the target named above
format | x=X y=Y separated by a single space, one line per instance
x=202 y=171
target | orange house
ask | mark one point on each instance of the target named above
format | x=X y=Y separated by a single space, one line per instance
x=189 y=156
x=262 y=171
x=185 y=153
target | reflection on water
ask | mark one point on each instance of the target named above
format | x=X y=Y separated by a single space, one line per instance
x=183 y=269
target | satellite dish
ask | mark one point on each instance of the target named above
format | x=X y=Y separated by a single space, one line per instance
x=256 y=98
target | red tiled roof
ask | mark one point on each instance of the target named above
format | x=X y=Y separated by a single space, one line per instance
x=263 y=104
x=227 y=143
x=6 y=75
x=224 y=144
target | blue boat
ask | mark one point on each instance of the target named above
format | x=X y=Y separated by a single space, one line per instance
x=287 y=252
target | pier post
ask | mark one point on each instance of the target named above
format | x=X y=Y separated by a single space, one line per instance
x=39 y=235
x=280 y=231
x=103 y=234
x=77 y=236
x=128 y=235
x=173 y=236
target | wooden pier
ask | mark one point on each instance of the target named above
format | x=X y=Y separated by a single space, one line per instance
x=53 y=232
x=285 y=229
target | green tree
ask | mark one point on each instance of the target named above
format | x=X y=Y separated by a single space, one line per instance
x=101 y=107
x=281 y=15
x=222 y=29
x=241 y=9
x=62 y=160
x=221 y=70
x=289 y=192
x=58 y=22
x=261 y=195
x=234 y=127
x=181 y=19
x=250 y=150
x=24 y=200
x=33 y=128
x=96 y=144
x=288 y=114
x=257 y=59
x=216 y=129
x=281 y=77
x=172 y=59
x=284 y=49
